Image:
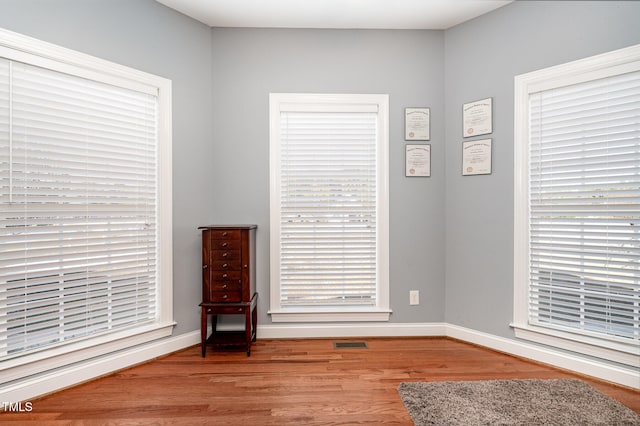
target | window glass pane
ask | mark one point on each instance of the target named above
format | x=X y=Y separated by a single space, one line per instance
x=328 y=208
x=585 y=207
x=77 y=208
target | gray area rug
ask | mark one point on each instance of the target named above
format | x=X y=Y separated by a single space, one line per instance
x=512 y=402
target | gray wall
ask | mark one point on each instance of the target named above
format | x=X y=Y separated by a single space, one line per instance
x=481 y=59
x=221 y=81
x=145 y=35
x=408 y=65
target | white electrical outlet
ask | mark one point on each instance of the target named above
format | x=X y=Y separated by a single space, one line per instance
x=414 y=297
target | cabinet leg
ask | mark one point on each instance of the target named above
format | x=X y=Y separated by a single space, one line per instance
x=254 y=323
x=247 y=329
x=203 y=331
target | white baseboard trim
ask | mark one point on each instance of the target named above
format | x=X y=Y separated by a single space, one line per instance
x=309 y=331
x=32 y=387
x=572 y=362
x=42 y=384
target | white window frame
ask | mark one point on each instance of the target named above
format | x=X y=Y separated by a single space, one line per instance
x=380 y=312
x=28 y=50
x=596 y=67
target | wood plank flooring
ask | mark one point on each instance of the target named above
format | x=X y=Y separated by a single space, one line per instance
x=284 y=382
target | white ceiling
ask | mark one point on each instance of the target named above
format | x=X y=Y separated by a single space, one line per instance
x=361 y=14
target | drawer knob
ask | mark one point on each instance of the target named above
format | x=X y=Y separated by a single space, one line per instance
x=225 y=265
x=225 y=275
x=224 y=286
x=225 y=254
x=225 y=296
x=225 y=233
x=205 y=266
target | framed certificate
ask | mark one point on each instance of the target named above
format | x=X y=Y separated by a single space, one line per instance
x=417 y=123
x=418 y=160
x=476 y=157
x=477 y=118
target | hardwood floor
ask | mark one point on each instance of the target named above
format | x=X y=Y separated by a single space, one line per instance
x=301 y=382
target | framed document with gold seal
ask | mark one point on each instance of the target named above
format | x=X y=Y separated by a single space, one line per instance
x=417 y=123
x=476 y=157
x=477 y=118
x=418 y=160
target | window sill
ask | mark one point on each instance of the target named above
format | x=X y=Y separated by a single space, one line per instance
x=65 y=355
x=622 y=353
x=318 y=315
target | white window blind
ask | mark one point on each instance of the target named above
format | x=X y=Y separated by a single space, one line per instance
x=329 y=205
x=328 y=208
x=584 y=208
x=78 y=208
